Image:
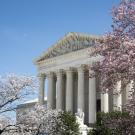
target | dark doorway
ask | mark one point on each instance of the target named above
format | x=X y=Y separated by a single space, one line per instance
x=98 y=105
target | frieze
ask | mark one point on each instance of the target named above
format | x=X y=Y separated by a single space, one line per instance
x=46 y=66
x=63 y=59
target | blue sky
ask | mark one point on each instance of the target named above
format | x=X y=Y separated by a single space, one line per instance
x=29 y=27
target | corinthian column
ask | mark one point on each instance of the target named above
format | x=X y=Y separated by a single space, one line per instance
x=104 y=102
x=92 y=100
x=60 y=101
x=110 y=100
x=41 y=88
x=69 y=90
x=51 y=99
x=123 y=94
x=117 y=97
x=129 y=90
x=81 y=88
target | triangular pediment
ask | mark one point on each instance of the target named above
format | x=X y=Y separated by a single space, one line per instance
x=69 y=43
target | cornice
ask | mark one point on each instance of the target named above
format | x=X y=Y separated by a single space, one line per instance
x=63 y=45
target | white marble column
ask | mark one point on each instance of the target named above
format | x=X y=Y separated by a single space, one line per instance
x=110 y=101
x=117 y=97
x=75 y=80
x=126 y=92
x=60 y=100
x=69 y=90
x=129 y=90
x=86 y=98
x=104 y=102
x=81 y=88
x=51 y=98
x=41 y=88
x=92 y=100
x=123 y=94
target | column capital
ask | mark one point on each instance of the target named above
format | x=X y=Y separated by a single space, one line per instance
x=92 y=73
x=50 y=74
x=82 y=68
x=60 y=72
x=41 y=75
x=70 y=70
x=91 y=70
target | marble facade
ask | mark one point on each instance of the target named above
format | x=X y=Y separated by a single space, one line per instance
x=66 y=67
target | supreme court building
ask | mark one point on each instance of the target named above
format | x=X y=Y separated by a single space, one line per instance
x=64 y=68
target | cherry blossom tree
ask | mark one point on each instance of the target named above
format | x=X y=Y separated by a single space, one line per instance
x=118 y=51
x=13 y=89
x=31 y=121
x=42 y=120
x=38 y=120
x=117 y=48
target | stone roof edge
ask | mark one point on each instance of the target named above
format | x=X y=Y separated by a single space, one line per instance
x=65 y=39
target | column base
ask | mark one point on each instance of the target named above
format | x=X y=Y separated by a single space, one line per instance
x=92 y=125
